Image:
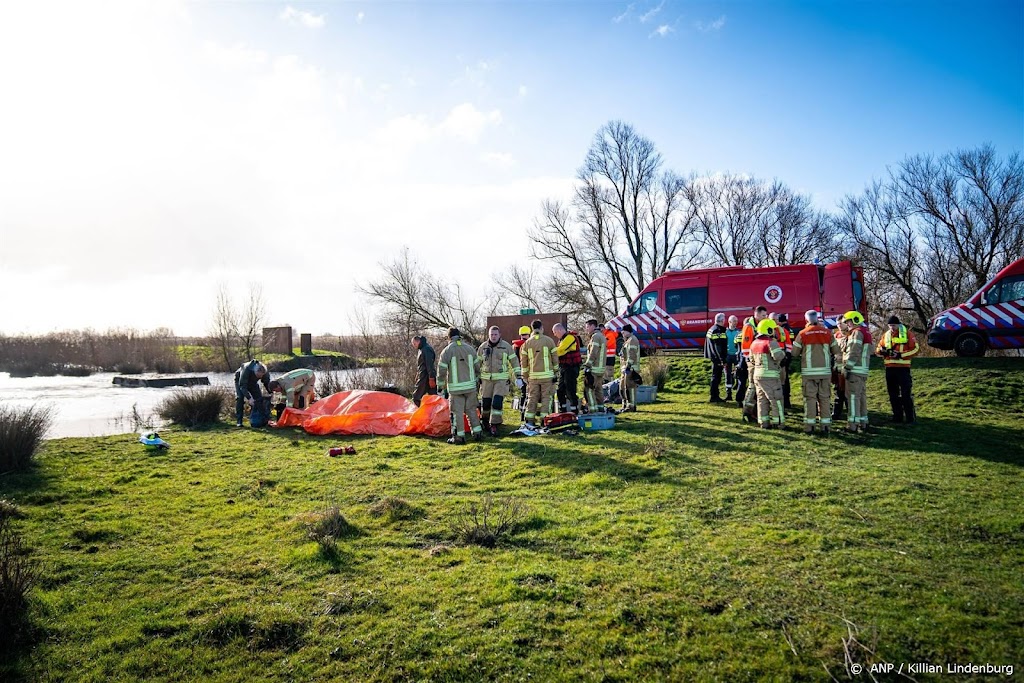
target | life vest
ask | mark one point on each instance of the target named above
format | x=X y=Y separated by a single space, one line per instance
x=569 y=350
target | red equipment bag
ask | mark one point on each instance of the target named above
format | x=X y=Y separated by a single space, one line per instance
x=559 y=420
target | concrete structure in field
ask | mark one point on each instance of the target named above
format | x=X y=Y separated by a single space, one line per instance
x=161 y=381
x=306 y=344
x=277 y=339
x=510 y=324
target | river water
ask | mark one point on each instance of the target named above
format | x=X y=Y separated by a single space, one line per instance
x=94 y=405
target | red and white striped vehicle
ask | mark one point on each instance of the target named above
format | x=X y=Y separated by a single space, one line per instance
x=991 y=319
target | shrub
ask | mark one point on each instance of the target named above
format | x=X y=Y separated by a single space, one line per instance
x=657 y=370
x=395 y=509
x=129 y=368
x=17 y=576
x=488 y=522
x=71 y=370
x=22 y=430
x=326 y=526
x=194 y=406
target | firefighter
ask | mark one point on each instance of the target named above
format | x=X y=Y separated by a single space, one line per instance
x=732 y=335
x=716 y=348
x=856 y=364
x=569 y=361
x=457 y=372
x=746 y=394
x=539 y=369
x=426 y=369
x=298 y=388
x=766 y=357
x=839 y=376
x=817 y=350
x=629 y=360
x=786 y=342
x=499 y=370
x=519 y=402
x=611 y=352
x=897 y=346
x=592 y=389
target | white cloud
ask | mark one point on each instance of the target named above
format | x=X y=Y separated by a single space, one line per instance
x=360 y=16
x=710 y=27
x=498 y=159
x=662 y=31
x=650 y=14
x=467 y=122
x=625 y=15
x=299 y=18
x=522 y=91
x=237 y=56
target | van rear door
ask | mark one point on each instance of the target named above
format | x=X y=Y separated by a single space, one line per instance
x=841 y=290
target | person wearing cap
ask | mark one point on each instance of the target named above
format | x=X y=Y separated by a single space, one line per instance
x=746 y=394
x=716 y=349
x=897 y=347
x=592 y=389
x=817 y=350
x=248 y=379
x=570 y=359
x=856 y=365
x=732 y=338
x=540 y=364
x=426 y=369
x=457 y=371
x=499 y=370
x=629 y=362
x=766 y=357
x=611 y=351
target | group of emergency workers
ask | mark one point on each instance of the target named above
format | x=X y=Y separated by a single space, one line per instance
x=295 y=389
x=757 y=360
x=543 y=371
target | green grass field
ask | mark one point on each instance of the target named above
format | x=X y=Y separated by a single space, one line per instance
x=683 y=545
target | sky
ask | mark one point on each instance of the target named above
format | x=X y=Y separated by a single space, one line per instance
x=153 y=152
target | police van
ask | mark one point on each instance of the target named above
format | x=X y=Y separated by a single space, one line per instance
x=675 y=310
x=993 y=318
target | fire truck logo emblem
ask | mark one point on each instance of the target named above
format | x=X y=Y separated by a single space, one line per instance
x=773 y=294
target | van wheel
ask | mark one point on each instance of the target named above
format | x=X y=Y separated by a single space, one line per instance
x=969 y=345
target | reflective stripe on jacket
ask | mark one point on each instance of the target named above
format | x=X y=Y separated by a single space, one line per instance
x=538 y=355
x=716 y=343
x=858 y=352
x=816 y=348
x=630 y=354
x=498 y=362
x=611 y=338
x=747 y=336
x=457 y=368
x=903 y=343
x=596 y=350
x=766 y=355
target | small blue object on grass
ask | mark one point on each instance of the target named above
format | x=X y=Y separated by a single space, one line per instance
x=595 y=421
x=153 y=442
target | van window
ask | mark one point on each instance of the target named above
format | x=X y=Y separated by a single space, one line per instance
x=691 y=300
x=858 y=294
x=1010 y=289
x=645 y=304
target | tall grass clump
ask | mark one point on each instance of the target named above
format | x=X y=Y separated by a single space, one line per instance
x=17 y=576
x=22 y=431
x=194 y=406
x=657 y=370
x=488 y=522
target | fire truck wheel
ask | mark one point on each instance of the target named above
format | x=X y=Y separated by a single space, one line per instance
x=969 y=345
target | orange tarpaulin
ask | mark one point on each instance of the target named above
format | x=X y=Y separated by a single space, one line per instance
x=371 y=412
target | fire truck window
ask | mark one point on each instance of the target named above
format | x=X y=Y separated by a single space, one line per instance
x=691 y=300
x=644 y=304
x=858 y=294
x=1010 y=289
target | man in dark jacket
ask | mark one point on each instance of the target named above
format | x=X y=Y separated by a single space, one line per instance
x=426 y=379
x=716 y=347
x=247 y=386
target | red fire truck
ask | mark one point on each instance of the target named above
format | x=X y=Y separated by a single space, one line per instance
x=675 y=310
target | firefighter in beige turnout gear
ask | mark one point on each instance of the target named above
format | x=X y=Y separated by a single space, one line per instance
x=629 y=359
x=856 y=365
x=539 y=361
x=817 y=350
x=593 y=367
x=499 y=369
x=766 y=358
x=457 y=371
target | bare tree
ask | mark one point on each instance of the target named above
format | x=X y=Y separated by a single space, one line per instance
x=416 y=301
x=224 y=326
x=236 y=333
x=729 y=209
x=251 y=321
x=626 y=223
